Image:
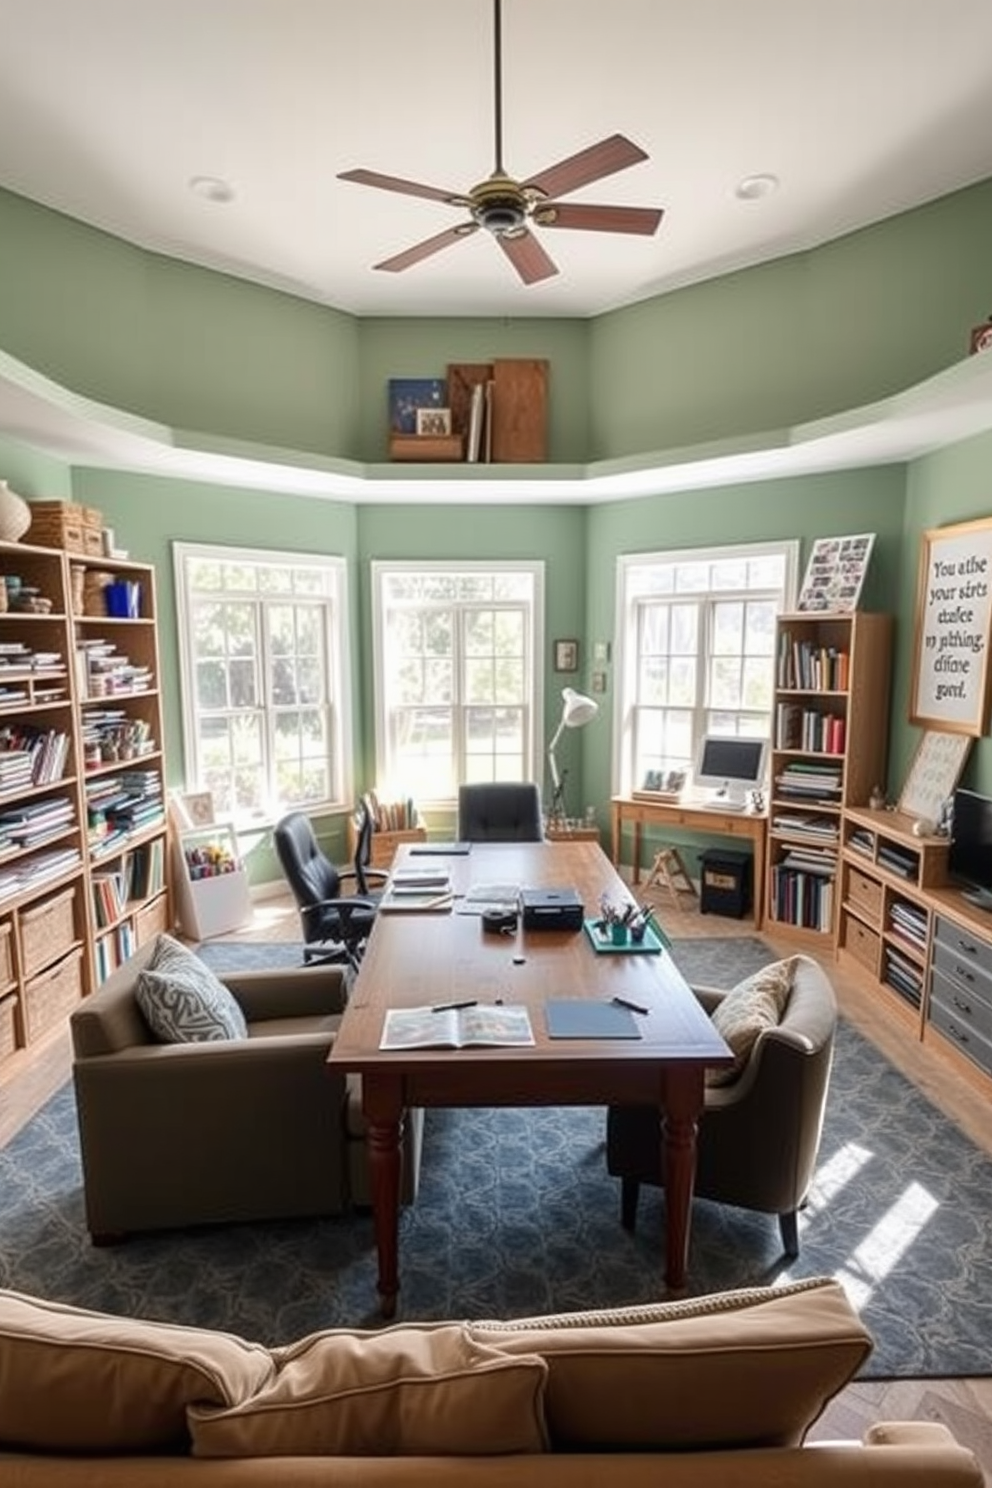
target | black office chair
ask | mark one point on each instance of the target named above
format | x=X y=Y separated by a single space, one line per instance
x=500 y=811
x=365 y=875
x=335 y=926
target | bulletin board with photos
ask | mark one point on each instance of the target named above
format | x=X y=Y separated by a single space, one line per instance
x=835 y=573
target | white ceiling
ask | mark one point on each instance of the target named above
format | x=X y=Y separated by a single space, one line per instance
x=862 y=108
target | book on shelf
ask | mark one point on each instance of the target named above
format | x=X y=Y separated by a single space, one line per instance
x=456 y=1027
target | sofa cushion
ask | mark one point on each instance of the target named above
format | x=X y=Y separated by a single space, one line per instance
x=181 y=999
x=401 y=1391
x=748 y=1010
x=747 y=1368
x=79 y=1381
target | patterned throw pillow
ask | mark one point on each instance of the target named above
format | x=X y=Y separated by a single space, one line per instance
x=182 y=1001
x=755 y=1004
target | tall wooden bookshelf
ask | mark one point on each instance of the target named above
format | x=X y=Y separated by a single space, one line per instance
x=119 y=711
x=829 y=744
x=65 y=853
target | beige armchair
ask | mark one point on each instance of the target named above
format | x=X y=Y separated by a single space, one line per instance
x=200 y=1133
x=759 y=1137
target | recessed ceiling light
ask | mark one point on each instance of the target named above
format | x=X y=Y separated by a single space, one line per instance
x=753 y=188
x=211 y=188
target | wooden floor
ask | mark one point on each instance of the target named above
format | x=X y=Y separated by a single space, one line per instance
x=963 y=1405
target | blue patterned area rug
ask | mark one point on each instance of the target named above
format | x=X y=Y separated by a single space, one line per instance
x=517 y=1215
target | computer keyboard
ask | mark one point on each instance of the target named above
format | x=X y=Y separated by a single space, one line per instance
x=723 y=804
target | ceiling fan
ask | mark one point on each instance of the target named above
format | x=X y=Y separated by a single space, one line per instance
x=506 y=208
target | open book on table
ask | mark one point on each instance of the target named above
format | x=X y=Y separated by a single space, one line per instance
x=455 y=1028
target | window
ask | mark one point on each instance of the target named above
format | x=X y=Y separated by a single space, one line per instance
x=266 y=705
x=696 y=633
x=457 y=674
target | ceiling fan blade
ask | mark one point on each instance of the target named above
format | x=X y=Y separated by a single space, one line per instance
x=527 y=257
x=406 y=188
x=610 y=155
x=411 y=256
x=642 y=220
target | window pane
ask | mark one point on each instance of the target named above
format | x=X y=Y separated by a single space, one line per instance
x=263 y=735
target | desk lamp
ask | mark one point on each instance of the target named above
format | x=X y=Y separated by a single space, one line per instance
x=577 y=710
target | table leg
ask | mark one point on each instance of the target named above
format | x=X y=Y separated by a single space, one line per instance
x=680 y=1119
x=384 y=1128
x=636 y=877
x=759 y=876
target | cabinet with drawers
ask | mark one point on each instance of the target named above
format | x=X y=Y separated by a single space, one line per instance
x=960 y=1005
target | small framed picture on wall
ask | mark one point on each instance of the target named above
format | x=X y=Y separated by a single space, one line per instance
x=566 y=656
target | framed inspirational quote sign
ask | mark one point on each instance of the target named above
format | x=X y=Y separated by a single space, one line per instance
x=953 y=611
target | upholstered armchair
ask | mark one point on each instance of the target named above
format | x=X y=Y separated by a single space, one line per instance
x=759 y=1136
x=501 y=811
x=250 y=1128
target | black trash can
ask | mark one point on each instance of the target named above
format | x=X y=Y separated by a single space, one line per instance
x=725 y=882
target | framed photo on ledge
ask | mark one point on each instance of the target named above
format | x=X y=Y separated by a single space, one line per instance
x=566 y=656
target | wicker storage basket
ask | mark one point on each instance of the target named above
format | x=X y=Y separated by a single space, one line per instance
x=65 y=524
x=47 y=930
x=150 y=919
x=15 y=514
x=52 y=995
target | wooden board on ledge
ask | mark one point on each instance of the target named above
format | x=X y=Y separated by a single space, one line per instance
x=520 y=411
x=433 y=447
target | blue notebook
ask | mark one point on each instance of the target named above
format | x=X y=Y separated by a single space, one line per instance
x=578 y=1019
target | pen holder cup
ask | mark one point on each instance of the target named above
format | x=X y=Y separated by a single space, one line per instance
x=637 y=932
x=618 y=934
x=123 y=599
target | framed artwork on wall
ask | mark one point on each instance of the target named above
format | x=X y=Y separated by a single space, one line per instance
x=951 y=644
x=566 y=656
x=933 y=774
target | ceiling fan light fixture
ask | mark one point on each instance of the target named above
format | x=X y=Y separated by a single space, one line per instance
x=211 y=188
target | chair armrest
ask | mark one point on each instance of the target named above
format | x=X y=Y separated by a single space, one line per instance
x=160 y=1072
x=295 y=992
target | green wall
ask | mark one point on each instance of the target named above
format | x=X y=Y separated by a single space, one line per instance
x=786 y=342
x=796 y=339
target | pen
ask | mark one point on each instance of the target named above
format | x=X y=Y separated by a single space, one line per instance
x=450 y=1007
x=635 y=1007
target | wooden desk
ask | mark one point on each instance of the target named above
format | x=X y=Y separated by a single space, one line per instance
x=751 y=825
x=421 y=959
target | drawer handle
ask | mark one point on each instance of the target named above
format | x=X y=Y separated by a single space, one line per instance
x=961 y=1005
x=964 y=973
x=957 y=1033
x=968 y=947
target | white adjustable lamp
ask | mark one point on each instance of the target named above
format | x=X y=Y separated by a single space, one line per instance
x=577 y=710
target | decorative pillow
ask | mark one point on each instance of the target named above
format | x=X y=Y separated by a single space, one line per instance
x=402 y=1391
x=79 y=1381
x=755 y=1004
x=746 y=1368
x=181 y=999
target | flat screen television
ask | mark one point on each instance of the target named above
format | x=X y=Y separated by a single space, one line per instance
x=731 y=766
x=969 y=858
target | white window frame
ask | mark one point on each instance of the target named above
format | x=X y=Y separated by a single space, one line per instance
x=625 y=632
x=337 y=677
x=381 y=569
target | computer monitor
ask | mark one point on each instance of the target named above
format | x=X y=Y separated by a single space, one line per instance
x=731 y=766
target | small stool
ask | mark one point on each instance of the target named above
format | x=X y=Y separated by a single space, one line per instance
x=669 y=872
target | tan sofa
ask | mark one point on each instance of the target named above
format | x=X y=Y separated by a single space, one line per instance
x=243 y=1129
x=717 y=1392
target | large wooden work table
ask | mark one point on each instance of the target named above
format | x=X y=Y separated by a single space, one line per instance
x=637 y=812
x=416 y=960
